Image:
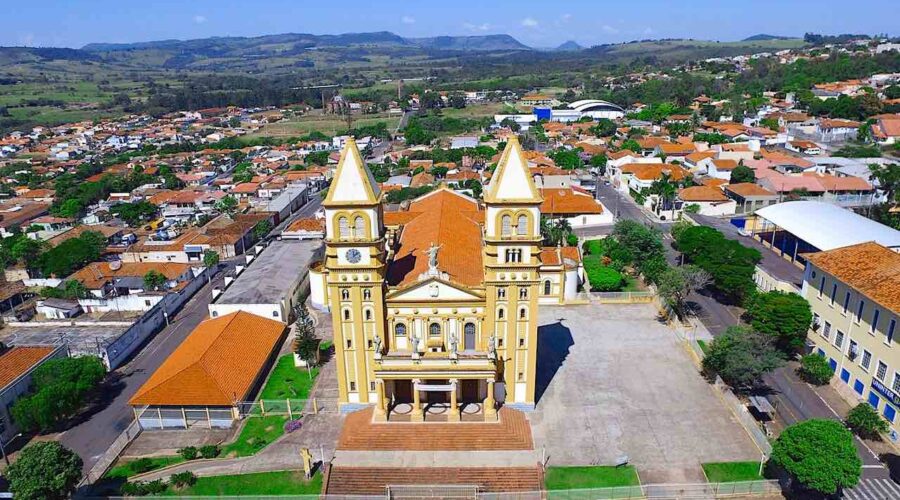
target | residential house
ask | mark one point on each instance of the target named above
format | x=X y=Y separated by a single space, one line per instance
x=830 y=130
x=749 y=197
x=17 y=364
x=575 y=205
x=709 y=200
x=120 y=286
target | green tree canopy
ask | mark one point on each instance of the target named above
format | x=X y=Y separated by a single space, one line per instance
x=819 y=454
x=731 y=264
x=865 y=421
x=134 y=213
x=742 y=173
x=72 y=254
x=784 y=316
x=44 y=471
x=154 y=280
x=59 y=387
x=741 y=357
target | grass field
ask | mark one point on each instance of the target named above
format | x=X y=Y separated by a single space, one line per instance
x=727 y=472
x=288 y=381
x=257 y=433
x=263 y=483
x=328 y=124
x=570 y=478
x=123 y=469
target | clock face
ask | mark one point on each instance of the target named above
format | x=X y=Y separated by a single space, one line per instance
x=353 y=256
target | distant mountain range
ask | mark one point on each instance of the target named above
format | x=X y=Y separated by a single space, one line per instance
x=569 y=45
x=289 y=41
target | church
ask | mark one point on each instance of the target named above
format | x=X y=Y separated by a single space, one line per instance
x=435 y=306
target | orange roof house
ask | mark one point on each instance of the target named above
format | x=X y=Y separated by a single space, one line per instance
x=17 y=361
x=218 y=364
x=568 y=202
x=870 y=268
x=702 y=193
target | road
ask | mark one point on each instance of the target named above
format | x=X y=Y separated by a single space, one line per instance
x=91 y=436
x=794 y=399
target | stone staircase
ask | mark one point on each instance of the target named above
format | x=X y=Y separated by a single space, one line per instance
x=342 y=480
x=512 y=432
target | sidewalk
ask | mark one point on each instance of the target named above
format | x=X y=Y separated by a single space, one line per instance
x=408 y=459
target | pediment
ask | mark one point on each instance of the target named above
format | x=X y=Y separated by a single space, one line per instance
x=434 y=289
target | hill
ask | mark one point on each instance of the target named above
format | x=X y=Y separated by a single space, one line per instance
x=763 y=36
x=481 y=42
x=569 y=45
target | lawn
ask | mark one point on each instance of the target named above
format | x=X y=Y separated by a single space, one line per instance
x=263 y=483
x=258 y=432
x=124 y=469
x=571 y=478
x=727 y=472
x=287 y=381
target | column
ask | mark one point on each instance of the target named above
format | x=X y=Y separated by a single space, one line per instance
x=490 y=410
x=380 y=413
x=453 y=416
x=417 y=415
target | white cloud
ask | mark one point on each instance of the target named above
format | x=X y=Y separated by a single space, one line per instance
x=529 y=22
x=566 y=17
x=199 y=19
x=476 y=27
x=408 y=20
x=609 y=29
x=648 y=30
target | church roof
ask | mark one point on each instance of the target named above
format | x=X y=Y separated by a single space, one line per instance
x=447 y=219
x=512 y=180
x=353 y=182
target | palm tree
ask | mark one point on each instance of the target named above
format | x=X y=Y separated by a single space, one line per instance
x=665 y=189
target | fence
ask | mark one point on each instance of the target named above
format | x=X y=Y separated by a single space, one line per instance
x=642 y=297
x=112 y=453
x=288 y=407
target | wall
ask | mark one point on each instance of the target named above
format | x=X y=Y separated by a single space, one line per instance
x=16 y=389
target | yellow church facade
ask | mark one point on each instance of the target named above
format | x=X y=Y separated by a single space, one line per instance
x=435 y=306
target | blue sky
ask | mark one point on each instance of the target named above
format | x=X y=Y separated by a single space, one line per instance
x=73 y=23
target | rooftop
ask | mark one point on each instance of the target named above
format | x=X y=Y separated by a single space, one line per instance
x=827 y=226
x=269 y=277
x=215 y=365
x=868 y=267
x=17 y=361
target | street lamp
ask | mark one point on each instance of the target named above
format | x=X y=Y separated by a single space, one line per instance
x=3 y=447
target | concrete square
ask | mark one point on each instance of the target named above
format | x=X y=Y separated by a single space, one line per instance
x=613 y=381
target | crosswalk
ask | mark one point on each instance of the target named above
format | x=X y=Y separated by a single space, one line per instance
x=874 y=489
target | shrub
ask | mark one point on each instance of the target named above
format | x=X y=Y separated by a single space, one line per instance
x=604 y=279
x=209 y=451
x=572 y=240
x=292 y=425
x=140 y=465
x=864 y=421
x=189 y=452
x=183 y=479
x=815 y=369
x=592 y=247
x=45 y=470
x=142 y=488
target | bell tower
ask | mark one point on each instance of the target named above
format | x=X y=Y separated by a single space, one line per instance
x=354 y=261
x=512 y=246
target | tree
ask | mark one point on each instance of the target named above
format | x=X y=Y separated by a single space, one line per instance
x=731 y=264
x=888 y=180
x=59 y=388
x=210 y=258
x=604 y=279
x=815 y=369
x=599 y=162
x=261 y=229
x=741 y=357
x=666 y=190
x=227 y=205
x=134 y=213
x=44 y=471
x=865 y=422
x=675 y=284
x=555 y=232
x=741 y=174
x=305 y=341
x=604 y=128
x=154 y=280
x=28 y=251
x=819 y=454
x=784 y=316
x=72 y=254
x=630 y=144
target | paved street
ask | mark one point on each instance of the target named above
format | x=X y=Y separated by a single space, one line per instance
x=794 y=399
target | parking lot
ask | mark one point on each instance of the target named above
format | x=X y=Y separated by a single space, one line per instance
x=613 y=382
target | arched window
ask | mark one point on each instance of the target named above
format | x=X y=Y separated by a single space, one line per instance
x=367 y=294
x=344 y=228
x=345 y=294
x=523 y=313
x=501 y=313
x=434 y=330
x=523 y=292
x=501 y=293
x=400 y=330
x=506 y=225
x=522 y=225
x=547 y=287
x=346 y=314
x=368 y=315
x=469 y=329
x=359 y=227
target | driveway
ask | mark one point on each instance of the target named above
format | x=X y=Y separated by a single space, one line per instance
x=614 y=382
